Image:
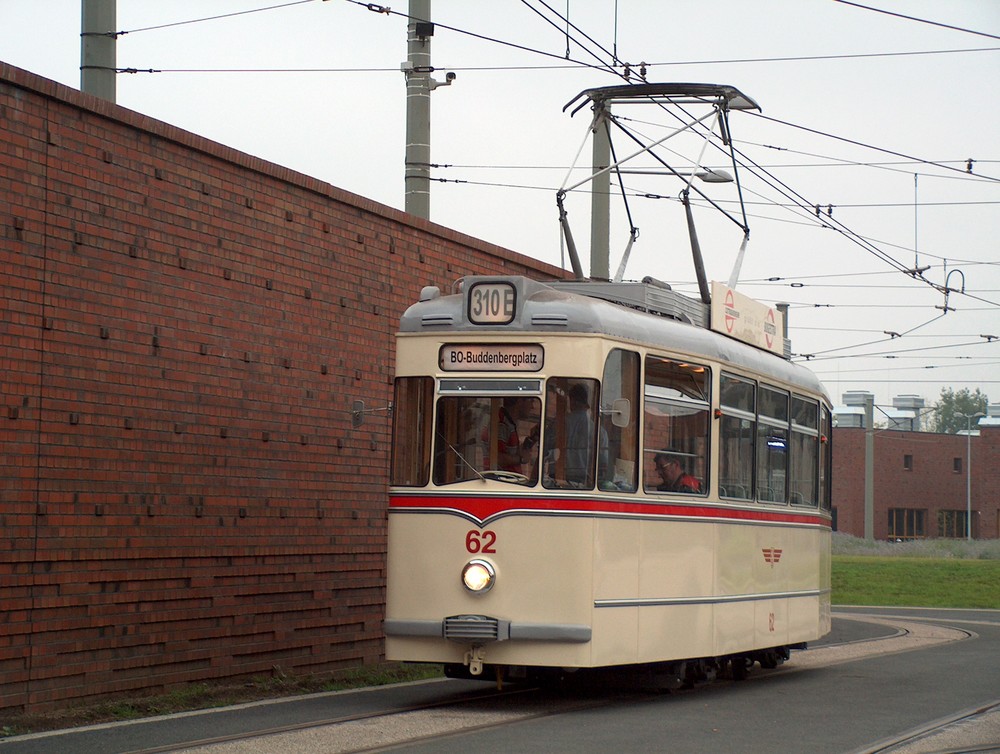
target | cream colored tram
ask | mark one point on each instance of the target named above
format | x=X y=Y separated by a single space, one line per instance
x=589 y=475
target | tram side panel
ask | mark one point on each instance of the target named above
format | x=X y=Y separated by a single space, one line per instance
x=616 y=579
x=808 y=617
x=671 y=590
x=677 y=574
x=774 y=574
x=736 y=621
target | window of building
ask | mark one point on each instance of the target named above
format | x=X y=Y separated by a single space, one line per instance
x=908 y=462
x=676 y=416
x=907 y=523
x=952 y=524
x=956 y=465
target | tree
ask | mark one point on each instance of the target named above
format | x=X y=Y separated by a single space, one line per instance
x=949 y=410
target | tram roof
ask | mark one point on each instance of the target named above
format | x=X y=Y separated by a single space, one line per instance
x=547 y=310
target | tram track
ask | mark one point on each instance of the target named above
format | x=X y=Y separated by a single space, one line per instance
x=445 y=715
x=384 y=730
x=910 y=634
x=960 y=733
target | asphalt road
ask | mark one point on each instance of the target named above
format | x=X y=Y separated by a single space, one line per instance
x=885 y=680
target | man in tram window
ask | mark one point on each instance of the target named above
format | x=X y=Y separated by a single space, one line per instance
x=512 y=453
x=675 y=479
x=579 y=437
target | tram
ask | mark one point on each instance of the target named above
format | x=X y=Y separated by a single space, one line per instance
x=589 y=474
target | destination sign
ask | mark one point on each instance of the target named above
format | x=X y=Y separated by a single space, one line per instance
x=492 y=303
x=492 y=357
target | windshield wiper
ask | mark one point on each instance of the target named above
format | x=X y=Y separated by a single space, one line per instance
x=461 y=457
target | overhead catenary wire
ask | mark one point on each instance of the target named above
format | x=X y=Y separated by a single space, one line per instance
x=389 y=12
x=808 y=220
x=824 y=355
x=920 y=20
x=802 y=209
x=211 y=18
x=570 y=25
x=857 y=143
x=552 y=67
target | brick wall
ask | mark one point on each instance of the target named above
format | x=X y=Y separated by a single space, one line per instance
x=931 y=484
x=183 y=330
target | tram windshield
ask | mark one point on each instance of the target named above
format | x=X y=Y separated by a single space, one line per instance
x=486 y=437
x=554 y=436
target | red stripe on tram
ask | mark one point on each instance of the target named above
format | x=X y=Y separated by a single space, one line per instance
x=483 y=508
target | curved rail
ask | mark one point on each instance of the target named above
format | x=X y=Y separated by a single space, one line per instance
x=955 y=733
x=457 y=713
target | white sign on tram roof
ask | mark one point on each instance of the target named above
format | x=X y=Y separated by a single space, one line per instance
x=747 y=320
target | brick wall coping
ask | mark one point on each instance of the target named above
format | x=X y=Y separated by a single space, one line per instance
x=20 y=78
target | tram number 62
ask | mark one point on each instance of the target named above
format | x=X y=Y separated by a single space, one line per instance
x=483 y=542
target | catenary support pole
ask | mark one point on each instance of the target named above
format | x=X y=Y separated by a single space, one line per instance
x=98 y=53
x=869 y=467
x=419 y=31
x=600 y=199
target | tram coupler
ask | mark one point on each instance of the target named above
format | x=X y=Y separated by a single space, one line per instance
x=474 y=658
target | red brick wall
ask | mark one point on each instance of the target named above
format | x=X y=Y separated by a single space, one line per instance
x=931 y=485
x=183 y=330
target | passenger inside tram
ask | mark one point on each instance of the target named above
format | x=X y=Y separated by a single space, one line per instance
x=670 y=467
x=512 y=452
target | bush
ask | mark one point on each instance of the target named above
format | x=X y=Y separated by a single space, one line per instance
x=976 y=549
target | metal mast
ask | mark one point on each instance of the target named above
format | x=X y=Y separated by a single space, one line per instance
x=98 y=54
x=600 y=198
x=418 y=109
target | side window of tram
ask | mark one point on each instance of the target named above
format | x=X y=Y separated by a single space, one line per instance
x=805 y=452
x=570 y=438
x=411 y=431
x=772 y=445
x=676 y=417
x=617 y=465
x=825 y=457
x=737 y=436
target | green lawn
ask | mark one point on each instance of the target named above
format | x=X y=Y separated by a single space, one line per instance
x=915 y=582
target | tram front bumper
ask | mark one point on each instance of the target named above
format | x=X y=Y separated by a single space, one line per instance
x=480 y=629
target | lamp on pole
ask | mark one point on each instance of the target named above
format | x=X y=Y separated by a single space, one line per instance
x=968 y=471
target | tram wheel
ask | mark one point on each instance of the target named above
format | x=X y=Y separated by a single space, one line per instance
x=739 y=668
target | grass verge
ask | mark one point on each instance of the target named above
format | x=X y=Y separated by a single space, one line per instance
x=915 y=582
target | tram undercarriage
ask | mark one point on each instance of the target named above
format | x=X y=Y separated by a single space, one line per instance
x=674 y=675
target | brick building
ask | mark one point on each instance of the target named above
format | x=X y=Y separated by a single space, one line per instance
x=921 y=481
x=184 y=330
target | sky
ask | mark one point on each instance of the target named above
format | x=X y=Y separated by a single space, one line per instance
x=870 y=110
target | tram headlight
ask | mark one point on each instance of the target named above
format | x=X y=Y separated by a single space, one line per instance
x=478 y=576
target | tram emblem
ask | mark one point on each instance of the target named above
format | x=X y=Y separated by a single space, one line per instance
x=771 y=555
